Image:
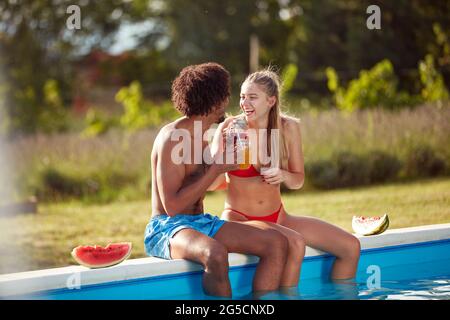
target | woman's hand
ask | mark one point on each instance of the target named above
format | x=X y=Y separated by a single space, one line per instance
x=273 y=175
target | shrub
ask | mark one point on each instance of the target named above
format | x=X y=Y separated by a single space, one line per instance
x=383 y=167
x=373 y=88
x=344 y=169
x=422 y=161
x=322 y=174
x=288 y=77
x=138 y=113
x=55 y=184
x=353 y=170
x=434 y=89
x=104 y=186
x=97 y=123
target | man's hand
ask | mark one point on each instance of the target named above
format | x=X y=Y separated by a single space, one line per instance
x=220 y=164
x=223 y=149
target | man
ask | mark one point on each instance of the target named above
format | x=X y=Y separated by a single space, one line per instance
x=179 y=228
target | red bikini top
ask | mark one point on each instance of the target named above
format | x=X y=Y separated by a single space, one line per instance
x=245 y=173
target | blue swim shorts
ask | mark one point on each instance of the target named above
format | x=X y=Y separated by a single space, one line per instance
x=163 y=227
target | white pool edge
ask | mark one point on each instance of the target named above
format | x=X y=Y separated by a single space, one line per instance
x=57 y=278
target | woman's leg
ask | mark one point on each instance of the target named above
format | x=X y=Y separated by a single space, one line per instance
x=296 y=246
x=329 y=238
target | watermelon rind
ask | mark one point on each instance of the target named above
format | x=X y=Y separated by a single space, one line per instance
x=384 y=226
x=376 y=229
x=112 y=263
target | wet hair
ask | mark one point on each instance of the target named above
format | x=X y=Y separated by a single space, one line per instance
x=199 y=89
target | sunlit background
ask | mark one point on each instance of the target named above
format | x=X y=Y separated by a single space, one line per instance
x=79 y=109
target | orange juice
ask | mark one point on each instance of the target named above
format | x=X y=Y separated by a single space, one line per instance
x=246 y=164
x=240 y=130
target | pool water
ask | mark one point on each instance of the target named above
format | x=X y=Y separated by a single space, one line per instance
x=405 y=272
x=409 y=271
x=437 y=288
x=427 y=288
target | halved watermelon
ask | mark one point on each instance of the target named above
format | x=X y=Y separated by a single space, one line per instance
x=367 y=226
x=100 y=257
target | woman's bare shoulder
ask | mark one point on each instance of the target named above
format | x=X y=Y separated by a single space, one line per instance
x=290 y=123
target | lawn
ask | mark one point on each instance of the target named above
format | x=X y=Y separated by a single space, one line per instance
x=45 y=240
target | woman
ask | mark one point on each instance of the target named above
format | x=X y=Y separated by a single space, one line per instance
x=255 y=198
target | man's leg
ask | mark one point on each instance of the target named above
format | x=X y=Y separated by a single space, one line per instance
x=211 y=254
x=269 y=245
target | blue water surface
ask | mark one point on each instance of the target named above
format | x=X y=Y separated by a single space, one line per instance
x=413 y=271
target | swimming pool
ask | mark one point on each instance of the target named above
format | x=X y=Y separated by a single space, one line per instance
x=409 y=263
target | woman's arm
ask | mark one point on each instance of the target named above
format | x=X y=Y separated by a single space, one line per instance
x=219 y=184
x=294 y=177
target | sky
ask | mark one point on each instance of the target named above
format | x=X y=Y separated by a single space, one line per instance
x=126 y=37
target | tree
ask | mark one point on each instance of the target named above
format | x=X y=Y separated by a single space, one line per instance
x=206 y=30
x=36 y=46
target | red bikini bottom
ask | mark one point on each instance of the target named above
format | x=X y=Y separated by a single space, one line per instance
x=273 y=217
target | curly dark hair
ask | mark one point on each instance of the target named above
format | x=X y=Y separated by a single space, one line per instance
x=200 y=88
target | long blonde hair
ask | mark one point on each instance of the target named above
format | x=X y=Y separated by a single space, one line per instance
x=271 y=83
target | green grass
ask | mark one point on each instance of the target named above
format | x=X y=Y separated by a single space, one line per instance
x=45 y=240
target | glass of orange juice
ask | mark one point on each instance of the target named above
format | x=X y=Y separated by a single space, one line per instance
x=246 y=155
x=240 y=130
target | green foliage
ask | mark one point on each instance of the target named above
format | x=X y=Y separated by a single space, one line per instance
x=374 y=87
x=333 y=86
x=434 y=89
x=37 y=54
x=138 y=113
x=44 y=107
x=150 y=68
x=288 y=76
x=343 y=169
x=442 y=52
x=333 y=79
x=54 y=117
x=97 y=123
x=307 y=34
x=55 y=185
x=347 y=169
x=205 y=30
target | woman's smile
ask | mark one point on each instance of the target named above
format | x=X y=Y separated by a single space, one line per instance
x=249 y=112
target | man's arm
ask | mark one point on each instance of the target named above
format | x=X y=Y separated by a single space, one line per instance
x=218 y=147
x=175 y=196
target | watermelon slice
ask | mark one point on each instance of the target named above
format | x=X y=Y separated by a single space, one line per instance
x=367 y=226
x=100 y=257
